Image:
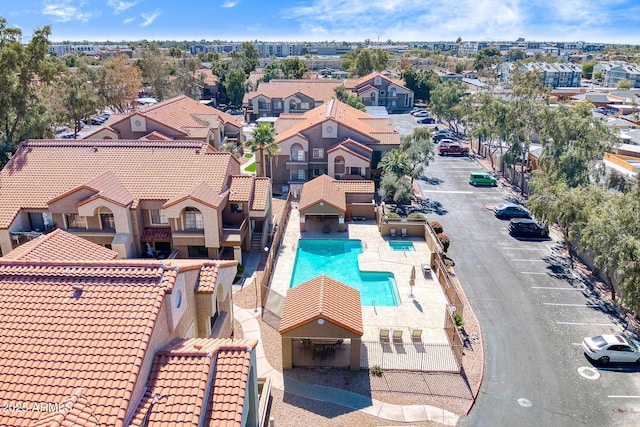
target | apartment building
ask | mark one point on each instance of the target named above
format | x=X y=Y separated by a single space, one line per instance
x=553 y=75
x=614 y=71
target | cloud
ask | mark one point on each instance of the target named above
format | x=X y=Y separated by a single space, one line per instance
x=121 y=6
x=230 y=3
x=149 y=18
x=128 y=20
x=64 y=11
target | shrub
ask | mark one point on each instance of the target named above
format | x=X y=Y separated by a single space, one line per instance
x=437 y=227
x=240 y=269
x=415 y=216
x=391 y=215
x=445 y=241
x=458 y=319
x=448 y=262
x=376 y=370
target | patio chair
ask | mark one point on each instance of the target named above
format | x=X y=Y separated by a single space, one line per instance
x=393 y=232
x=404 y=232
x=397 y=336
x=416 y=335
x=384 y=334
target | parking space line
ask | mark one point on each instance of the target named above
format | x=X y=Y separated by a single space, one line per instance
x=448 y=191
x=533 y=273
x=522 y=248
x=527 y=260
x=623 y=397
x=557 y=289
x=570 y=305
x=586 y=324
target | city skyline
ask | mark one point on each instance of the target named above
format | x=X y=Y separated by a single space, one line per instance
x=604 y=21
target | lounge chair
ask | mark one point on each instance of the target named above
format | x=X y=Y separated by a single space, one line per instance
x=393 y=232
x=404 y=232
x=416 y=335
x=384 y=335
x=397 y=335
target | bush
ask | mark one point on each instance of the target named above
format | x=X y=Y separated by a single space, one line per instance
x=445 y=241
x=415 y=216
x=392 y=215
x=437 y=227
x=458 y=319
x=448 y=262
x=376 y=370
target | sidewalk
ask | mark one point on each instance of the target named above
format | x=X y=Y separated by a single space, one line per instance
x=358 y=402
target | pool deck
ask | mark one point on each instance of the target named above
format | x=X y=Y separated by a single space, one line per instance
x=424 y=310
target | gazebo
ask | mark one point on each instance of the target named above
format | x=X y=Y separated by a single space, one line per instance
x=319 y=315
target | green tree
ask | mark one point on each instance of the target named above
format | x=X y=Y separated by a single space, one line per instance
x=419 y=150
x=234 y=86
x=421 y=82
x=489 y=122
x=22 y=111
x=623 y=84
x=380 y=59
x=395 y=162
x=394 y=189
x=293 y=68
x=363 y=64
x=118 y=83
x=155 y=72
x=487 y=60
x=459 y=67
x=514 y=55
x=444 y=98
x=598 y=76
x=251 y=57
x=351 y=100
x=263 y=140
x=587 y=69
x=79 y=99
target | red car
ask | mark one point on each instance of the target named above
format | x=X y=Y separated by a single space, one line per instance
x=453 y=148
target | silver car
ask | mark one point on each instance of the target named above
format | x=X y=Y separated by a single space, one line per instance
x=611 y=348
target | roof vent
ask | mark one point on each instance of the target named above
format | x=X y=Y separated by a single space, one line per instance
x=77 y=290
x=95 y=149
x=197 y=346
x=197 y=151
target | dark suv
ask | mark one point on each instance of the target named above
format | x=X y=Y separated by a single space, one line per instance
x=527 y=227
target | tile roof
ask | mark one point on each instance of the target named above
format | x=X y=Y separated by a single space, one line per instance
x=42 y=170
x=322 y=189
x=331 y=191
x=75 y=411
x=156 y=234
x=185 y=372
x=261 y=194
x=318 y=90
x=322 y=298
x=348 y=148
x=187 y=114
x=209 y=78
x=108 y=188
x=201 y=192
x=373 y=130
x=357 y=82
x=76 y=324
x=155 y=136
x=241 y=188
x=60 y=246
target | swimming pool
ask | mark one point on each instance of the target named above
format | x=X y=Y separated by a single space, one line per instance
x=401 y=246
x=339 y=260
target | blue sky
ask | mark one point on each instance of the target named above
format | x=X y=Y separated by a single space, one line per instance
x=609 y=21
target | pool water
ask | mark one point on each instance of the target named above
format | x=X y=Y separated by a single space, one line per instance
x=401 y=246
x=338 y=259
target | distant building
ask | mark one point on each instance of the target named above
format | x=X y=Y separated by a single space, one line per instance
x=553 y=74
x=614 y=71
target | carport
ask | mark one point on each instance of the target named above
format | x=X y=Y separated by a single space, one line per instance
x=321 y=321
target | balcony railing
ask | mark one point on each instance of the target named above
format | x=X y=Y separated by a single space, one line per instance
x=234 y=233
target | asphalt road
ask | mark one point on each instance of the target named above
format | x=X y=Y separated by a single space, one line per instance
x=533 y=309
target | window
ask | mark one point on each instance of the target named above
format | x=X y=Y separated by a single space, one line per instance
x=297 y=154
x=277 y=104
x=158 y=217
x=236 y=207
x=76 y=221
x=297 y=175
x=392 y=92
x=355 y=171
x=382 y=93
x=372 y=97
x=318 y=172
x=193 y=219
x=108 y=246
x=292 y=105
x=318 y=153
x=107 y=221
x=198 y=252
x=338 y=165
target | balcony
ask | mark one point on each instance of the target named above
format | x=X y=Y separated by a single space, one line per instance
x=234 y=234
x=296 y=164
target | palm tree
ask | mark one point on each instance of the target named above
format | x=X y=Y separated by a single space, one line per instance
x=263 y=139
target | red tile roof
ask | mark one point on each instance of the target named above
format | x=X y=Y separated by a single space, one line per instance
x=318 y=90
x=108 y=188
x=241 y=188
x=202 y=193
x=261 y=194
x=332 y=191
x=322 y=298
x=185 y=372
x=156 y=234
x=74 y=411
x=42 y=170
x=372 y=130
x=70 y=325
x=60 y=246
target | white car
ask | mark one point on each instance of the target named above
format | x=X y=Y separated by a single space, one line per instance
x=422 y=113
x=611 y=348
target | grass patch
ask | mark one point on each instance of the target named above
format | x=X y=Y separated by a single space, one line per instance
x=251 y=167
x=248 y=155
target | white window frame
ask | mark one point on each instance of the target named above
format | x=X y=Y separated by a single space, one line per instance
x=75 y=219
x=318 y=153
x=197 y=220
x=162 y=218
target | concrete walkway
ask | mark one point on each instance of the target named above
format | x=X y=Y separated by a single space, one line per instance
x=355 y=401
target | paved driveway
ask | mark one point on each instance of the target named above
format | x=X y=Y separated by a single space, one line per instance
x=533 y=310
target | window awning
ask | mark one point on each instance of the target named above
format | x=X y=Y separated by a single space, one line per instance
x=156 y=234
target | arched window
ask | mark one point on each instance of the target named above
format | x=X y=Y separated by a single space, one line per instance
x=338 y=165
x=107 y=221
x=297 y=153
x=193 y=219
x=373 y=97
x=392 y=91
x=292 y=104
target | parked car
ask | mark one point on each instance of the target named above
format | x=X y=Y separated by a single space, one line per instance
x=527 y=227
x=611 y=348
x=96 y=121
x=426 y=120
x=482 y=178
x=422 y=113
x=68 y=136
x=511 y=210
x=416 y=109
x=440 y=136
x=453 y=149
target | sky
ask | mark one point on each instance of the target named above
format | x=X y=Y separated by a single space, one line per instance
x=604 y=21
